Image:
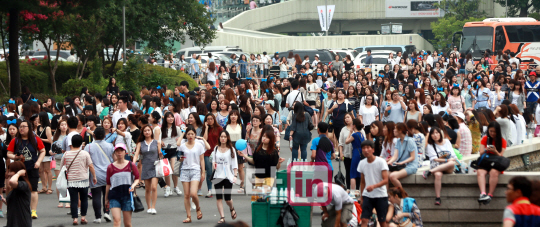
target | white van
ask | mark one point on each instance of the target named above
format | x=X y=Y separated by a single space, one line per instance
x=188 y=52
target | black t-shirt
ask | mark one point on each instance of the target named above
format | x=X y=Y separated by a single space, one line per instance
x=54 y=121
x=348 y=66
x=26 y=97
x=135 y=134
x=284 y=99
x=452 y=134
x=42 y=133
x=113 y=90
x=18 y=205
x=265 y=161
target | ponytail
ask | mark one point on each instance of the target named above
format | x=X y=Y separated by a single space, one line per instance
x=399 y=192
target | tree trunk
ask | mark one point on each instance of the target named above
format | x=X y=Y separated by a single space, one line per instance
x=110 y=71
x=524 y=11
x=83 y=66
x=15 y=72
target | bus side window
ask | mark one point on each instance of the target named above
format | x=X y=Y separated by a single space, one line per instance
x=500 y=39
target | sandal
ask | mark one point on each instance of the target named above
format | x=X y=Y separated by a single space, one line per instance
x=199 y=210
x=187 y=220
x=68 y=205
x=50 y=191
x=60 y=205
x=84 y=221
x=42 y=191
x=221 y=220
x=233 y=216
x=75 y=223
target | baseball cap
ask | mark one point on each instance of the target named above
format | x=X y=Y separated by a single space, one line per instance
x=532 y=74
x=316 y=55
x=120 y=145
x=460 y=115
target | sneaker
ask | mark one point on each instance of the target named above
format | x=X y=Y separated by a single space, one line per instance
x=90 y=195
x=199 y=193
x=177 y=191
x=97 y=221
x=154 y=212
x=426 y=174
x=437 y=201
x=209 y=195
x=34 y=214
x=193 y=207
x=167 y=192
x=1 y=214
x=149 y=211
x=107 y=217
x=283 y=132
x=483 y=198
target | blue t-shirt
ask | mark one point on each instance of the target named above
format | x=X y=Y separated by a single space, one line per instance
x=194 y=62
x=318 y=156
x=404 y=152
x=532 y=90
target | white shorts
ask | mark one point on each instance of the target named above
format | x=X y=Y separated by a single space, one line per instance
x=47 y=159
x=188 y=175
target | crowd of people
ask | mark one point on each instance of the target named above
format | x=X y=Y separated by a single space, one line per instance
x=423 y=109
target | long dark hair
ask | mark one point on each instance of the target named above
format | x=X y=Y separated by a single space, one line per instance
x=234 y=112
x=44 y=120
x=197 y=119
x=165 y=126
x=141 y=136
x=299 y=112
x=498 y=138
x=433 y=129
x=272 y=144
x=15 y=167
x=214 y=126
x=30 y=136
x=390 y=125
x=146 y=106
x=228 y=144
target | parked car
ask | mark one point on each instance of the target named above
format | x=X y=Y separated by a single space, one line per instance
x=403 y=48
x=63 y=53
x=188 y=52
x=325 y=55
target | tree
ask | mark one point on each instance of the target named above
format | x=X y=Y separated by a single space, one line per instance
x=161 y=23
x=457 y=13
x=519 y=7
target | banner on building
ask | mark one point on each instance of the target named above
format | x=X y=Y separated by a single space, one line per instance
x=325 y=19
x=412 y=8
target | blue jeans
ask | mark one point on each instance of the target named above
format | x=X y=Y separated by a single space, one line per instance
x=208 y=169
x=303 y=147
x=124 y=203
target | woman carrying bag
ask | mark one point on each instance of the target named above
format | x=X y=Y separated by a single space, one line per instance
x=403 y=211
x=300 y=133
x=150 y=149
x=441 y=157
x=118 y=195
x=225 y=173
x=78 y=162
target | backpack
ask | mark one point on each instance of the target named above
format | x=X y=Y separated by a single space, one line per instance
x=469 y=66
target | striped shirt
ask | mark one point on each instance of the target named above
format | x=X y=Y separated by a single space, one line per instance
x=120 y=180
x=77 y=174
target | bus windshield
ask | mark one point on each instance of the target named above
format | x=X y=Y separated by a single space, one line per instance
x=476 y=40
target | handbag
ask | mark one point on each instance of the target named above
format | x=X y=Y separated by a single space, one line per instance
x=394 y=168
x=405 y=222
x=136 y=201
x=287 y=133
x=308 y=109
x=339 y=178
x=433 y=164
x=487 y=161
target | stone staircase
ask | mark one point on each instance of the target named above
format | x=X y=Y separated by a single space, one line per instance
x=459 y=197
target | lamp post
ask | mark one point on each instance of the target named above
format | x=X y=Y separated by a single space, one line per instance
x=124 y=28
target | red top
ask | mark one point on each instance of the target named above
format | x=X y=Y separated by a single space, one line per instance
x=484 y=142
x=213 y=138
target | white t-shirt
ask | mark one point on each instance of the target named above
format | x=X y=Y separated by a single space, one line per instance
x=312 y=87
x=211 y=76
x=446 y=147
x=339 y=197
x=67 y=141
x=292 y=97
x=372 y=173
x=368 y=114
x=192 y=156
x=225 y=164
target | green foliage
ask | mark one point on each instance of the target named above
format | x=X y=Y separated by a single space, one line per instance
x=444 y=28
x=535 y=16
x=96 y=69
x=457 y=13
x=74 y=86
x=519 y=7
x=31 y=76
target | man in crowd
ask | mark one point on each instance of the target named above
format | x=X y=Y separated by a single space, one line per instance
x=322 y=149
x=521 y=212
x=122 y=111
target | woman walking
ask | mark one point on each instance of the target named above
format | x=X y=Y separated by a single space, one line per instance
x=169 y=135
x=120 y=185
x=193 y=170
x=300 y=135
x=78 y=162
x=226 y=166
x=18 y=195
x=150 y=150
x=211 y=134
x=31 y=150
x=44 y=132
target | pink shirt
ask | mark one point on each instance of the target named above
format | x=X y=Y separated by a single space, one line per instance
x=252 y=5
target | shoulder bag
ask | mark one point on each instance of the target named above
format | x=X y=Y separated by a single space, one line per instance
x=393 y=167
x=103 y=152
x=339 y=178
x=137 y=205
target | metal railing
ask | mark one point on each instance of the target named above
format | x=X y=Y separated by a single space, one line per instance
x=255 y=71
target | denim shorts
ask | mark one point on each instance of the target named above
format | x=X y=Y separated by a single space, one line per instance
x=188 y=175
x=124 y=203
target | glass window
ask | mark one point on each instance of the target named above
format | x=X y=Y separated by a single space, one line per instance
x=395 y=49
x=475 y=40
x=523 y=33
